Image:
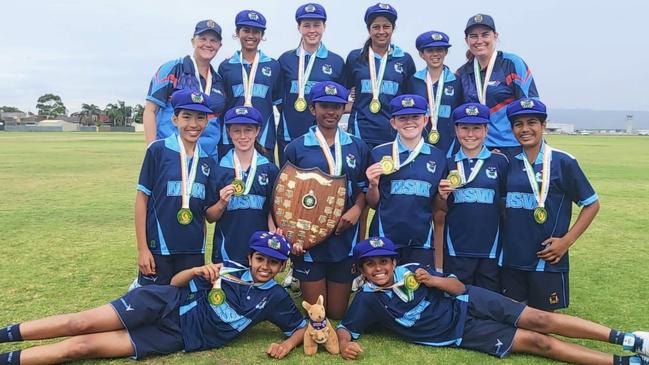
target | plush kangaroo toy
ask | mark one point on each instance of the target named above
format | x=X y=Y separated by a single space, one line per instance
x=319 y=330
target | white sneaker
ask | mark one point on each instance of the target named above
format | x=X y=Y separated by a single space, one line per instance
x=644 y=349
x=288 y=279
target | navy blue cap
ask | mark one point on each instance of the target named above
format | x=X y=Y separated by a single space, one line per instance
x=242 y=115
x=380 y=9
x=270 y=244
x=408 y=104
x=432 y=39
x=526 y=106
x=250 y=18
x=207 y=25
x=311 y=11
x=480 y=19
x=190 y=100
x=471 y=113
x=374 y=246
x=328 y=92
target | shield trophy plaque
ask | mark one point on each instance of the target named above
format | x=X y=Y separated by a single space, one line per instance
x=307 y=204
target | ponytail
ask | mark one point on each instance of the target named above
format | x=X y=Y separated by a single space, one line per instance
x=260 y=149
x=365 y=50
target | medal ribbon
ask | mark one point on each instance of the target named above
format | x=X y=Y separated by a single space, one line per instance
x=434 y=101
x=480 y=88
x=208 y=80
x=248 y=81
x=238 y=170
x=376 y=80
x=335 y=164
x=540 y=194
x=302 y=75
x=398 y=288
x=474 y=172
x=411 y=156
x=187 y=182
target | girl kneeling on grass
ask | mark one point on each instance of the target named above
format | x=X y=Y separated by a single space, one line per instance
x=204 y=307
x=427 y=308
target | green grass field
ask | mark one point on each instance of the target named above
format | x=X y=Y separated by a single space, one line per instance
x=67 y=242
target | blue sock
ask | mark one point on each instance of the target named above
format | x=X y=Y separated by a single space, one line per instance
x=10 y=358
x=10 y=333
x=628 y=341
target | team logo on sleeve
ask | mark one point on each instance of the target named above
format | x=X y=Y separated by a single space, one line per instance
x=263 y=179
x=449 y=90
x=331 y=90
x=327 y=69
x=491 y=172
x=478 y=18
x=197 y=98
x=309 y=8
x=436 y=36
x=206 y=169
x=351 y=161
x=398 y=67
x=527 y=104
x=266 y=71
x=431 y=166
x=407 y=102
x=376 y=242
x=253 y=16
x=472 y=111
x=241 y=111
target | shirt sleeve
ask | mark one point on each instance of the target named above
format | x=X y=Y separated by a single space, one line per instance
x=199 y=283
x=575 y=184
x=290 y=154
x=272 y=176
x=363 y=161
x=349 y=72
x=408 y=71
x=212 y=194
x=163 y=83
x=521 y=79
x=278 y=85
x=216 y=100
x=359 y=316
x=285 y=315
x=148 y=172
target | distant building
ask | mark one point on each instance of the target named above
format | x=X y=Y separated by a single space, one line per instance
x=560 y=128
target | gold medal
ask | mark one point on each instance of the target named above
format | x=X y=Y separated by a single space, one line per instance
x=375 y=106
x=433 y=137
x=216 y=296
x=239 y=187
x=410 y=282
x=540 y=215
x=184 y=216
x=455 y=179
x=387 y=165
x=300 y=104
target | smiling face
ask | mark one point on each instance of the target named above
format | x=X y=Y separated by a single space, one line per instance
x=409 y=126
x=379 y=270
x=471 y=136
x=263 y=268
x=381 y=32
x=434 y=56
x=528 y=130
x=190 y=125
x=243 y=136
x=311 y=31
x=327 y=115
x=481 y=41
x=206 y=45
x=250 y=38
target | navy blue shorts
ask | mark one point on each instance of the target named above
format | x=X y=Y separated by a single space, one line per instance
x=423 y=256
x=166 y=266
x=150 y=315
x=337 y=272
x=482 y=272
x=543 y=290
x=491 y=322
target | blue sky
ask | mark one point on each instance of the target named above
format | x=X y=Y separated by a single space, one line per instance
x=582 y=55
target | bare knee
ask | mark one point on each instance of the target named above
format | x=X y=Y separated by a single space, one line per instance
x=76 y=325
x=77 y=348
x=533 y=342
x=539 y=321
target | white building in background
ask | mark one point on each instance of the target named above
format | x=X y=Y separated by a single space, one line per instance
x=560 y=128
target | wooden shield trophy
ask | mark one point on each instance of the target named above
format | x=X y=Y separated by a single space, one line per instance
x=308 y=203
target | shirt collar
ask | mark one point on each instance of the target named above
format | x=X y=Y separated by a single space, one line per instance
x=396 y=52
x=311 y=140
x=247 y=276
x=322 y=51
x=171 y=143
x=236 y=57
x=483 y=155
x=539 y=157
x=188 y=65
x=448 y=75
x=228 y=159
x=399 y=271
x=425 y=149
x=470 y=69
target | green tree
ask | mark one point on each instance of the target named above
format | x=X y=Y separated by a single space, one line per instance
x=89 y=113
x=119 y=114
x=50 y=105
x=10 y=109
x=138 y=113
